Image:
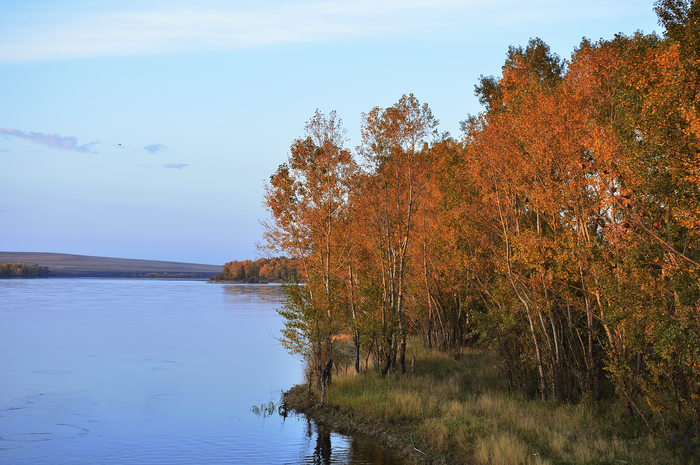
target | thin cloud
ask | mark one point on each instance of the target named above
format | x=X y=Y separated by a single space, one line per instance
x=52 y=140
x=176 y=166
x=153 y=148
x=194 y=28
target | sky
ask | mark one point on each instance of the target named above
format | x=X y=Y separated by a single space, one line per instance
x=147 y=129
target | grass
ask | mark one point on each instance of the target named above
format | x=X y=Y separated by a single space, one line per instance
x=458 y=410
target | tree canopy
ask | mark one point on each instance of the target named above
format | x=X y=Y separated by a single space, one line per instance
x=562 y=228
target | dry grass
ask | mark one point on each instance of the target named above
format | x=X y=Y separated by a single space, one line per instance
x=461 y=410
x=502 y=449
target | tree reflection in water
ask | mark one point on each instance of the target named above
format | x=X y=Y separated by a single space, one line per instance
x=332 y=448
x=323 y=449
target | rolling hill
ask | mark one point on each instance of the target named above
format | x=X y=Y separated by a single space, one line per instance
x=83 y=266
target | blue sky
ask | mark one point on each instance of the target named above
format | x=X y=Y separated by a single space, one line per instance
x=146 y=129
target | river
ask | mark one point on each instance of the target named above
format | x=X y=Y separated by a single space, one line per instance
x=129 y=371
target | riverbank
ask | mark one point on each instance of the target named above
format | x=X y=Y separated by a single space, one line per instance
x=330 y=415
x=457 y=409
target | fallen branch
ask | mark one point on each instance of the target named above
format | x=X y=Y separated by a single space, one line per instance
x=414 y=446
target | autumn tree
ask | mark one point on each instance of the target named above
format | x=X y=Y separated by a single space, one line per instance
x=397 y=150
x=307 y=198
x=440 y=294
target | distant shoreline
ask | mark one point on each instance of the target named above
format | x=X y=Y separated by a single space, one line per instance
x=87 y=266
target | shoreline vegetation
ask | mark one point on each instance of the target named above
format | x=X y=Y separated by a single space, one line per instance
x=456 y=408
x=560 y=231
x=164 y=275
x=260 y=271
x=23 y=270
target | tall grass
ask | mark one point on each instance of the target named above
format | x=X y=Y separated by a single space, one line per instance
x=459 y=408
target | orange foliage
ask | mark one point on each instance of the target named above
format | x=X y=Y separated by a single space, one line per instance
x=563 y=229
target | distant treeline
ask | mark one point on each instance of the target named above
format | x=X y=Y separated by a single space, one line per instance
x=263 y=270
x=22 y=270
x=163 y=275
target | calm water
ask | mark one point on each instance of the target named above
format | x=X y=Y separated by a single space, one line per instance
x=141 y=371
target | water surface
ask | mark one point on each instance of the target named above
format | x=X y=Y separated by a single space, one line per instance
x=151 y=371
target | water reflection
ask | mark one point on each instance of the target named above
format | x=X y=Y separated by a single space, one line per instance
x=330 y=448
x=322 y=451
x=246 y=294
